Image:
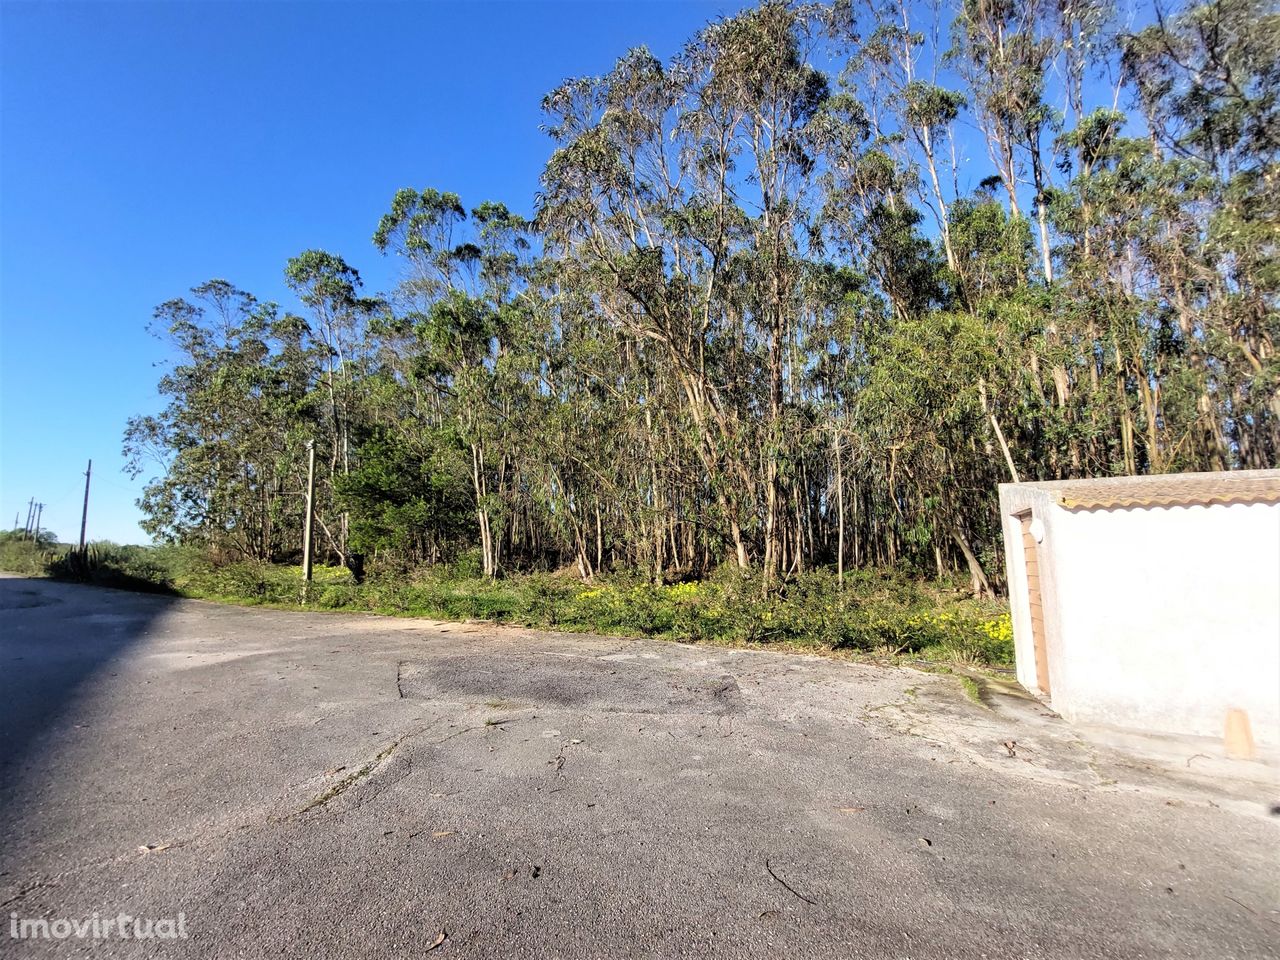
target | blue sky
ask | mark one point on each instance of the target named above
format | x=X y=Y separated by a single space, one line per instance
x=145 y=148
x=148 y=147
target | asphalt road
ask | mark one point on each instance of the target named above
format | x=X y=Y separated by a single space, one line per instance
x=303 y=785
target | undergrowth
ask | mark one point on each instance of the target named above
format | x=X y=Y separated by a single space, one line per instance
x=878 y=612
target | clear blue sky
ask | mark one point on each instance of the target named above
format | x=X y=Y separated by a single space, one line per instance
x=147 y=147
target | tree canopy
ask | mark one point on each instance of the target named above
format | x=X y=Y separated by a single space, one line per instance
x=757 y=318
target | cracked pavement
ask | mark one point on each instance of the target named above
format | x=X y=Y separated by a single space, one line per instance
x=311 y=785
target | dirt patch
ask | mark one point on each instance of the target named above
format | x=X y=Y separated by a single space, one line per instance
x=608 y=685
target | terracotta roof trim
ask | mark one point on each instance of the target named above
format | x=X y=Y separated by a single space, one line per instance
x=1223 y=489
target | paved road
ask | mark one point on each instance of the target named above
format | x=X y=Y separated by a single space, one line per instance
x=304 y=785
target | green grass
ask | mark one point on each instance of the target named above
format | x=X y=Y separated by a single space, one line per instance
x=972 y=689
x=879 y=613
x=25 y=557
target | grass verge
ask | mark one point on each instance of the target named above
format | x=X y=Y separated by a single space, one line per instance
x=881 y=613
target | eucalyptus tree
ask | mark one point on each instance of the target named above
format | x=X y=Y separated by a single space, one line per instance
x=330 y=288
x=464 y=294
x=1208 y=85
x=915 y=115
x=764 y=316
x=682 y=195
x=236 y=385
x=1002 y=54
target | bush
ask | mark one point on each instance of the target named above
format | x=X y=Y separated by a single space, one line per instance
x=24 y=556
x=878 y=612
x=107 y=564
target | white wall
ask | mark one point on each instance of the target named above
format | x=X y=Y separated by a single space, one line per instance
x=1157 y=618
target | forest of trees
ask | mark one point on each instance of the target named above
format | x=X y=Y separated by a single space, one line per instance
x=800 y=297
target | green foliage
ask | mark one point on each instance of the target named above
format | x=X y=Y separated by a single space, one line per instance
x=107 y=564
x=763 y=318
x=879 y=613
x=19 y=554
x=402 y=487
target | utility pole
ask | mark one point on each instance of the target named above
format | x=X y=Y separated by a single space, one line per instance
x=311 y=498
x=31 y=512
x=84 y=514
x=39 y=510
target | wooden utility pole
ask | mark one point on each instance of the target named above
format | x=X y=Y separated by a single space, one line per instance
x=840 y=514
x=39 y=511
x=84 y=514
x=31 y=512
x=311 y=499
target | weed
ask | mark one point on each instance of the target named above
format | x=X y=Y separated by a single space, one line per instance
x=880 y=613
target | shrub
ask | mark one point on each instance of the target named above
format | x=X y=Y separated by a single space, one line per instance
x=336 y=597
x=878 y=611
x=109 y=564
x=24 y=556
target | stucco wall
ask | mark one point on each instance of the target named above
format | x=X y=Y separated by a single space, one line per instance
x=1158 y=618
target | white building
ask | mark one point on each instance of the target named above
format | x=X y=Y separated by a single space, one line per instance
x=1149 y=602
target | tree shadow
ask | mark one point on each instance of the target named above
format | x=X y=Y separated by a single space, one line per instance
x=54 y=638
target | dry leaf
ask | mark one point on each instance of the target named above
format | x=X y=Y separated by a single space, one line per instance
x=443 y=833
x=441 y=937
